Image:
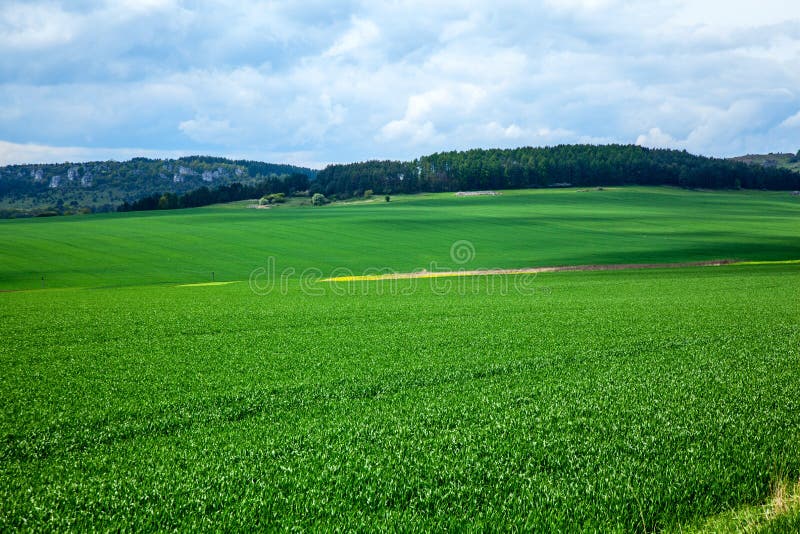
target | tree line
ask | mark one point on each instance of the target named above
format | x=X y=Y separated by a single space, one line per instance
x=563 y=165
x=526 y=167
x=205 y=196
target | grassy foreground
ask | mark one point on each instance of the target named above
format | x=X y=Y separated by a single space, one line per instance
x=599 y=401
x=611 y=401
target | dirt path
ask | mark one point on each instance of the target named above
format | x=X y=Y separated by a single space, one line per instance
x=562 y=268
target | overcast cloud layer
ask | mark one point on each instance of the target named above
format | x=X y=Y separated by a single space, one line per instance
x=315 y=82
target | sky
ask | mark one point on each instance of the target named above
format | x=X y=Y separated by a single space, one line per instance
x=315 y=82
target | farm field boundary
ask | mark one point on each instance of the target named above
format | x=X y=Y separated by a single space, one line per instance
x=555 y=269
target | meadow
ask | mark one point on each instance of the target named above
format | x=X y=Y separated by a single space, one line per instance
x=516 y=229
x=639 y=400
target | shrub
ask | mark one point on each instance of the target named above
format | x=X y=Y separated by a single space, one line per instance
x=318 y=199
x=368 y=193
x=274 y=198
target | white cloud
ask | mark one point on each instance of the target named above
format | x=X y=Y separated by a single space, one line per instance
x=655 y=138
x=458 y=28
x=425 y=110
x=792 y=122
x=20 y=153
x=343 y=81
x=36 y=26
x=362 y=34
x=143 y=6
x=512 y=131
x=205 y=130
x=734 y=13
x=409 y=132
x=580 y=5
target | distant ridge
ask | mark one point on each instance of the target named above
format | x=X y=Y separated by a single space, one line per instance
x=105 y=185
x=99 y=186
x=779 y=161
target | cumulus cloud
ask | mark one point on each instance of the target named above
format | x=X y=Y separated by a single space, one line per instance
x=205 y=130
x=443 y=105
x=17 y=153
x=792 y=122
x=361 y=36
x=655 y=138
x=343 y=81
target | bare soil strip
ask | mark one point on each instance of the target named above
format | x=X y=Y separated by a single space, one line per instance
x=203 y=284
x=422 y=273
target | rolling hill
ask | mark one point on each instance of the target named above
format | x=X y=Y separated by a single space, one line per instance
x=520 y=228
x=68 y=188
x=776 y=161
x=102 y=186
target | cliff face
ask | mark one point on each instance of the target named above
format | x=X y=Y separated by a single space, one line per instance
x=103 y=185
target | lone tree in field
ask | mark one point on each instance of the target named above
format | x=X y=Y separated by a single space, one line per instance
x=318 y=199
x=387 y=198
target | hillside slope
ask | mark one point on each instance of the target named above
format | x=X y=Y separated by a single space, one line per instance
x=516 y=229
x=778 y=161
x=104 y=185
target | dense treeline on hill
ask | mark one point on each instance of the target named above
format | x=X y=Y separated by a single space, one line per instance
x=63 y=188
x=140 y=183
x=577 y=165
x=205 y=196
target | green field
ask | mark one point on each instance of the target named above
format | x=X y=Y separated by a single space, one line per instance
x=637 y=400
x=516 y=229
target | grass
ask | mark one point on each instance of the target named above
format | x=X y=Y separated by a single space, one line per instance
x=610 y=401
x=781 y=513
x=202 y=284
x=516 y=229
x=660 y=399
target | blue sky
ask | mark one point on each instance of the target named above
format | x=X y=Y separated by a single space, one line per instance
x=316 y=82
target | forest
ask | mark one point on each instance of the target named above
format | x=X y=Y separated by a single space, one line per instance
x=143 y=184
x=558 y=166
x=205 y=196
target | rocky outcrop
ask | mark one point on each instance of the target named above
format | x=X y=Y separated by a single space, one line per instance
x=103 y=185
x=216 y=174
